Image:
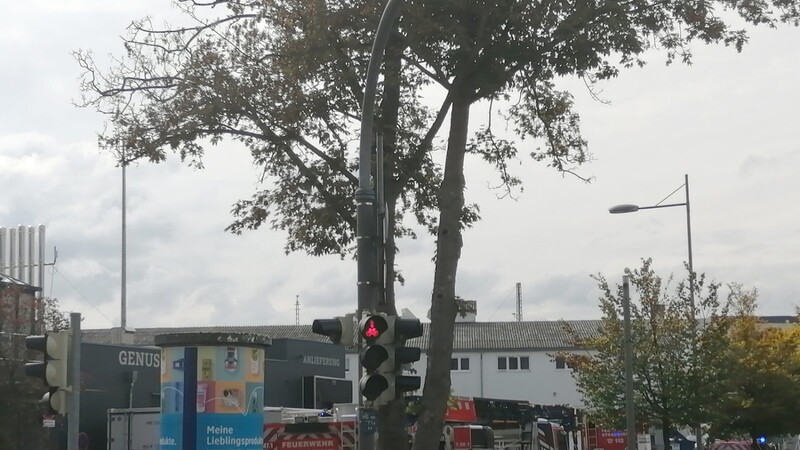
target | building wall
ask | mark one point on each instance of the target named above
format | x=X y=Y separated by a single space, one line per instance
x=351 y=372
x=289 y=360
x=542 y=382
x=107 y=382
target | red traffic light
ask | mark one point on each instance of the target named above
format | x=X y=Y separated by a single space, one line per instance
x=373 y=327
x=372 y=330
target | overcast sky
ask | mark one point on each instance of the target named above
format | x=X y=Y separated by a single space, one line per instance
x=730 y=121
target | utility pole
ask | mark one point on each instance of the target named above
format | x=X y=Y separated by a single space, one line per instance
x=74 y=370
x=630 y=407
x=124 y=263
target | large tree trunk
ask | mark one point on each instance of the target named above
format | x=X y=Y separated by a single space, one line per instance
x=666 y=429
x=443 y=301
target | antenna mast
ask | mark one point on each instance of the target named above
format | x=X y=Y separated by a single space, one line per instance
x=297 y=310
x=519 y=302
x=123 y=295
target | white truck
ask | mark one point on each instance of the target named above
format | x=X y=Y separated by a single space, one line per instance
x=133 y=428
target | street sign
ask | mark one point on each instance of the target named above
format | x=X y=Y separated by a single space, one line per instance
x=643 y=442
x=367 y=420
x=48 y=421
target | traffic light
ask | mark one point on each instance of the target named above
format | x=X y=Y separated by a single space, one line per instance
x=53 y=369
x=384 y=354
x=405 y=329
x=340 y=330
x=374 y=356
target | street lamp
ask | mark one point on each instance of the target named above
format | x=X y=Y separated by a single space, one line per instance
x=628 y=208
x=627 y=344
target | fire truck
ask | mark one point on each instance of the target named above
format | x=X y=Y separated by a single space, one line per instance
x=512 y=424
x=288 y=428
x=522 y=425
x=337 y=429
x=299 y=428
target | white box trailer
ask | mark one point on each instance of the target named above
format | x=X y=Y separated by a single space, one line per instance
x=133 y=428
x=139 y=428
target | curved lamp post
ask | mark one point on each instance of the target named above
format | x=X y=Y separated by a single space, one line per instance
x=365 y=197
x=366 y=226
x=628 y=208
x=630 y=409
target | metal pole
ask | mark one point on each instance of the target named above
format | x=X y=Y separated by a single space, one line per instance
x=689 y=240
x=41 y=260
x=134 y=375
x=124 y=274
x=365 y=195
x=630 y=409
x=74 y=419
x=698 y=431
x=380 y=227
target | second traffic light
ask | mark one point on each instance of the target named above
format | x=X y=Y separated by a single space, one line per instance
x=339 y=330
x=53 y=369
x=384 y=355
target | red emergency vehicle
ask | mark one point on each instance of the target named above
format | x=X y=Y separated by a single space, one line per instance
x=296 y=428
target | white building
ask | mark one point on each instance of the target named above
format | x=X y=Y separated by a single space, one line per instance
x=500 y=360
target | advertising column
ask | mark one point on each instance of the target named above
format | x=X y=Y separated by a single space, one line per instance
x=212 y=391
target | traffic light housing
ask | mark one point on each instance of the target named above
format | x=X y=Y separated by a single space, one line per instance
x=53 y=370
x=340 y=330
x=384 y=355
x=406 y=329
x=56 y=400
x=375 y=356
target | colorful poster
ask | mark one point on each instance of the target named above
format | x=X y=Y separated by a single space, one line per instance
x=228 y=389
x=229 y=432
x=230 y=398
x=255 y=365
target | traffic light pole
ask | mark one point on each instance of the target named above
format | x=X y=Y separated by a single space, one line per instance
x=365 y=196
x=74 y=370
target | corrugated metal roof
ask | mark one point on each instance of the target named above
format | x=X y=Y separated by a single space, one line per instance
x=7 y=280
x=545 y=335
x=468 y=336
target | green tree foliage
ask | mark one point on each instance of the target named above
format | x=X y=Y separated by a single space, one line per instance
x=21 y=315
x=481 y=50
x=678 y=360
x=763 y=386
x=283 y=77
